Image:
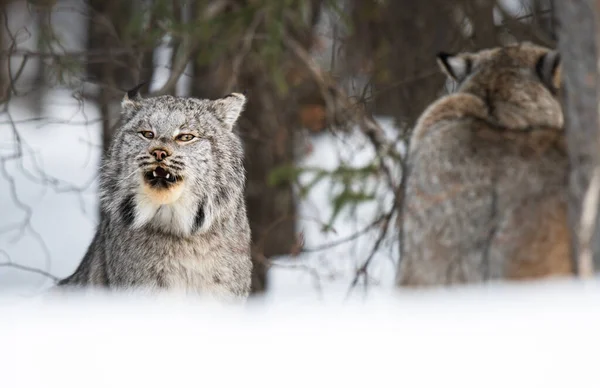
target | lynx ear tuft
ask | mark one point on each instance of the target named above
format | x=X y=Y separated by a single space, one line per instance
x=132 y=100
x=229 y=108
x=454 y=66
x=548 y=68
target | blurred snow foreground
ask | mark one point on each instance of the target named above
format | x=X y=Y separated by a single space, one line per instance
x=543 y=335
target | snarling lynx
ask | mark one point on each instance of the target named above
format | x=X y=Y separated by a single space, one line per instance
x=487 y=174
x=172 y=201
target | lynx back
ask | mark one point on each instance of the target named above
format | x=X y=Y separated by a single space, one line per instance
x=487 y=172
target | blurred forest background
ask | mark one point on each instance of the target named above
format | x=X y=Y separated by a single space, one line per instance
x=327 y=80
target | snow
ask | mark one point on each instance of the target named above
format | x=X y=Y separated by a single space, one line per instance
x=541 y=335
x=63 y=213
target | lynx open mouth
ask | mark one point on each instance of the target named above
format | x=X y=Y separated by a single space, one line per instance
x=160 y=178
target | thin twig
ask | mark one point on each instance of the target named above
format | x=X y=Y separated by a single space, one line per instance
x=334 y=99
x=349 y=238
x=30 y=269
x=362 y=270
x=21 y=267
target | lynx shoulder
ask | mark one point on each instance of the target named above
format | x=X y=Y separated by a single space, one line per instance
x=487 y=174
x=172 y=201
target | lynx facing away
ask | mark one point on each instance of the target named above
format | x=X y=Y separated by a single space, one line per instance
x=487 y=174
x=172 y=201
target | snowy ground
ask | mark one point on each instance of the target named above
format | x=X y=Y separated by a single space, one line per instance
x=535 y=336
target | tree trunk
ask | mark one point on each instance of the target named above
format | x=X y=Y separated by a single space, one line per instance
x=579 y=43
x=4 y=76
x=42 y=15
x=267 y=128
x=401 y=38
x=107 y=58
x=175 y=42
x=481 y=13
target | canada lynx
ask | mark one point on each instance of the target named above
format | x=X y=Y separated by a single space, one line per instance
x=487 y=174
x=172 y=201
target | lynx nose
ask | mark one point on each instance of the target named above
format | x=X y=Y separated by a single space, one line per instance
x=159 y=154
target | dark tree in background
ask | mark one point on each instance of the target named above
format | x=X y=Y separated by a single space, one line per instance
x=262 y=68
x=579 y=45
x=114 y=42
x=397 y=41
x=4 y=76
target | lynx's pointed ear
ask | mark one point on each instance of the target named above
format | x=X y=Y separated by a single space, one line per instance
x=229 y=108
x=456 y=67
x=548 y=68
x=131 y=102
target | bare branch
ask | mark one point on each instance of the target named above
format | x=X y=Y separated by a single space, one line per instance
x=21 y=267
x=362 y=270
x=347 y=239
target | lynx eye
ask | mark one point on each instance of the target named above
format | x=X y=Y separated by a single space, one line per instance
x=147 y=134
x=184 y=137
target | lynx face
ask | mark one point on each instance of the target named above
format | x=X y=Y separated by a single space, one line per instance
x=173 y=160
x=171 y=151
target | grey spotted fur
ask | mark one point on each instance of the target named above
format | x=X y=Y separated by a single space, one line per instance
x=197 y=243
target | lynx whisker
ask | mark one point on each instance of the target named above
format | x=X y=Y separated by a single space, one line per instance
x=137 y=169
